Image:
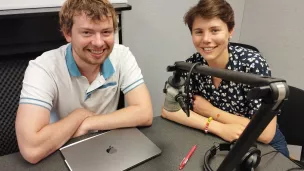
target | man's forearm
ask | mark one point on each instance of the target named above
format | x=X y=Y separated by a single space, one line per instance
x=131 y=116
x=51 y=137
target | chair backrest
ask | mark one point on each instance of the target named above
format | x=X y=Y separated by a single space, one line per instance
x=11 y=77
x=121 y=101
x=291 y=119
x=245 y=46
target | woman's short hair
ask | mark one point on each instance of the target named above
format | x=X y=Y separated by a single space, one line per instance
x=210 y=9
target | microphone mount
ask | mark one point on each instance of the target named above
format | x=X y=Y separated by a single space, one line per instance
x=272 y=91
x=177 y=82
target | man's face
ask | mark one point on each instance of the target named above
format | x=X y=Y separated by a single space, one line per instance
x=92 y=41
x=210 y=37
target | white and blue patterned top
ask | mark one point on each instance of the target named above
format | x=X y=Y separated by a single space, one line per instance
x=229 y=96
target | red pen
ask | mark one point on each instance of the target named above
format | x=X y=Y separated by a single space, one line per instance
x=185 y=160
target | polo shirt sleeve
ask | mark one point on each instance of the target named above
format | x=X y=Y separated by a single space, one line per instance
x=260 y=67
x=131 y=75
x=38 y=86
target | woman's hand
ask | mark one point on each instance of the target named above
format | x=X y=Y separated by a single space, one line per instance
x=202 y=106
x=231 y=132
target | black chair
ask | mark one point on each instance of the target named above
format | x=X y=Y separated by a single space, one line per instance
x=11 y=77
x=291 y=119
x=245 y=46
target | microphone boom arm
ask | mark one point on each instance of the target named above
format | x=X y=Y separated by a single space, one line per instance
x=272 y=91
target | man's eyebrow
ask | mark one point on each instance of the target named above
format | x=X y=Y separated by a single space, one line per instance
x=85 y=28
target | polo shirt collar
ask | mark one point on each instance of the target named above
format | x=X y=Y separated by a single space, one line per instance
x=106 y=69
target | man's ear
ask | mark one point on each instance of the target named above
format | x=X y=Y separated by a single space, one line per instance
x=67 y=36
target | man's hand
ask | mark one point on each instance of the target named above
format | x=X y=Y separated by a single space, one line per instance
x=231 y=132
x=202 y=106
x=83 y=128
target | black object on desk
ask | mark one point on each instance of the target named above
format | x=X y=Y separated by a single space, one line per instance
x=173 y=139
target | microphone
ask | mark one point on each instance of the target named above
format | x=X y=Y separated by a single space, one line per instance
x=175 y=94
x=181 y=101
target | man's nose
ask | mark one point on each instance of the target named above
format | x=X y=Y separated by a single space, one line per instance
x=98 y=40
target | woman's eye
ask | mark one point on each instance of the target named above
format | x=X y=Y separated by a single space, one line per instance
x=198 y=32
x=107 y=32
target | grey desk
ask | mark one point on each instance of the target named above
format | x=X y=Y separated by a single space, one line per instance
x=174 y=140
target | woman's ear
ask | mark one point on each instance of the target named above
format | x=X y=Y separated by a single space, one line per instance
x=231 y=33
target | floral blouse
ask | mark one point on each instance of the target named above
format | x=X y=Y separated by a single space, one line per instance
x=229 y=96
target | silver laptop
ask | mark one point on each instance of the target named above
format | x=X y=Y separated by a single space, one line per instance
x=114 y=150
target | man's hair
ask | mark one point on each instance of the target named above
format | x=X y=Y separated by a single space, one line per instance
x=209 y=9
x=94 y=9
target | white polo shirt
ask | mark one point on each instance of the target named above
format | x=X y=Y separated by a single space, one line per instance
x=53 y=81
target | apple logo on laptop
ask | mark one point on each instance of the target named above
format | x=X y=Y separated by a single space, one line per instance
x=111 y=150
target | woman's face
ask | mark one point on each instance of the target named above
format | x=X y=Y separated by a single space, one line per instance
x=210 y=37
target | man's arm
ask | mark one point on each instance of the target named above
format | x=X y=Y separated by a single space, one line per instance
x=138 y=113
x=37 y=138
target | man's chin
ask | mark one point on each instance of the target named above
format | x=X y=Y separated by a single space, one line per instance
x=97 y=62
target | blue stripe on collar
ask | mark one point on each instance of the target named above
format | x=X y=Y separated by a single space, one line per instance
x=106 y=69
x=71 y=64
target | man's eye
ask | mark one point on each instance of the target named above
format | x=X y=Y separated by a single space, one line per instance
x=215 y=31
x=85 y=33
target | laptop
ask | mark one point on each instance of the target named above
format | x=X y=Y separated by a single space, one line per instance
x=115 y=150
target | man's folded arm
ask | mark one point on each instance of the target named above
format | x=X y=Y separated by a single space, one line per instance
x=137 y=113
x=37 y=138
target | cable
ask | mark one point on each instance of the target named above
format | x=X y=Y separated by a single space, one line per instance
x=291 y=169
x=269 y=153
x=187 y=83
x=299 y=163
x=295 y=168
x=211 y=150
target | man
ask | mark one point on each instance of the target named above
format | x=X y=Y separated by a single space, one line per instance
x=81 y=83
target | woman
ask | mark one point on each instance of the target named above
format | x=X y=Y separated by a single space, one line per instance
x=220 y=106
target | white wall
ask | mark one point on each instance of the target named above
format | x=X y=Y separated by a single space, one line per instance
x=238 y=7
x=276 y=28
x=155 y=32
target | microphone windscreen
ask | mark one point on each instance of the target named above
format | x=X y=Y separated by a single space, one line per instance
x=171 y=104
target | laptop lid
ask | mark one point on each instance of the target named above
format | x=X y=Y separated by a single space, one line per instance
x=115 y=150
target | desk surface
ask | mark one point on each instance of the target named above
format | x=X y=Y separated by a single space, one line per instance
x=175 y=141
